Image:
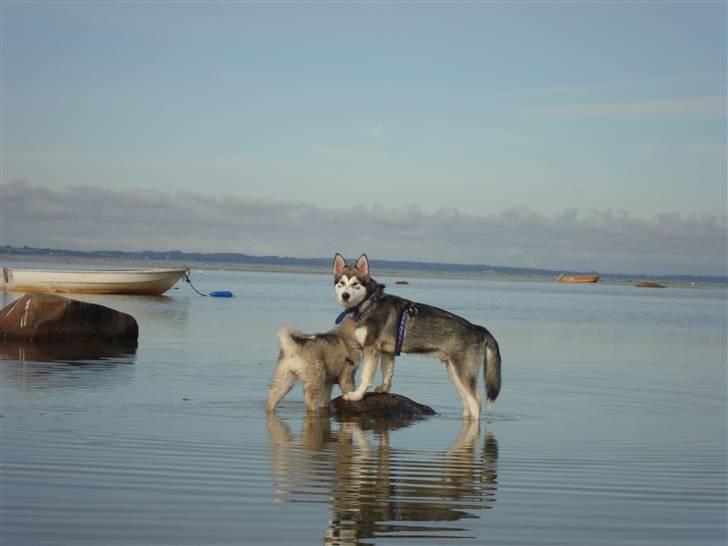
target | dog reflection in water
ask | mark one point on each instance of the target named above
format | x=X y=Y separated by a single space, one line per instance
x=372 y=484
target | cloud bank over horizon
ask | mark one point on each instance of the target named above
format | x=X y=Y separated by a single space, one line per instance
x=93 y=218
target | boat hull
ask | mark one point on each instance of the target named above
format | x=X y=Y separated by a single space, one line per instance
x=580 y=279
x=151 y=282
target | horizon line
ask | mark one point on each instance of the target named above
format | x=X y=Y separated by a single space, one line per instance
x=39 y=252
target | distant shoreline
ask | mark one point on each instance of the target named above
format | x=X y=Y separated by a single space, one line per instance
x=322 y=266
x=254 y=268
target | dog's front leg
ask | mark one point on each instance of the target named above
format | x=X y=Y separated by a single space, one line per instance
x=346 y=380
x=367 y=375
x=386 y=364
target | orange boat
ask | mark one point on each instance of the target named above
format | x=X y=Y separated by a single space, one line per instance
x=577 y=278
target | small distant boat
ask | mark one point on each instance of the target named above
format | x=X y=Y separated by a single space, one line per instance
x=577 y=278
x=148 y=282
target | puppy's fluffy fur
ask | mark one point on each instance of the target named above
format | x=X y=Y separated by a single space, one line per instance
x=319 y=361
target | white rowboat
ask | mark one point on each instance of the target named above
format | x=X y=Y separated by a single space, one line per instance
x=154 y=281
x=578 y=278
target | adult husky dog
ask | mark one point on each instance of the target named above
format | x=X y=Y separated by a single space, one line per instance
x=387 y=325
x=319 y=361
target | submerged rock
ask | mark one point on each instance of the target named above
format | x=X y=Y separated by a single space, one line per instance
x=48 y=317
x=649 y=284
x=385 y=406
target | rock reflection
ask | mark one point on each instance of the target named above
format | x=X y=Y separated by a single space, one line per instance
x=61 y=364
x=376 y=490
x=64 y=351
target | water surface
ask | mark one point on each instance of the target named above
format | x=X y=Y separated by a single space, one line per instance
x=610 y=428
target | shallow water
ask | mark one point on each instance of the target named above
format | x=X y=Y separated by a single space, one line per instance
x=610 y=428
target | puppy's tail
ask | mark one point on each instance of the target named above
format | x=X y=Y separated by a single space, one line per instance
x=288 y=343
x=491 y=369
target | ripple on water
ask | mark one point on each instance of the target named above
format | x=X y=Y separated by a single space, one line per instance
x=610 y=428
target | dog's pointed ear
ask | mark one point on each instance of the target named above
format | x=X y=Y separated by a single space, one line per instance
x=362 y=264
x=339 y=264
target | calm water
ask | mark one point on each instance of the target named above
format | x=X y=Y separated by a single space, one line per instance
x=610 y=428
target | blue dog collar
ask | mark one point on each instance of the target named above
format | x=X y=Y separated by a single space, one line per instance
x=343 y=314
x=355 y=311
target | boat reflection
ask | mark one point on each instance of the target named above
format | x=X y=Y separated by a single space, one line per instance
x=162 y=313
x=378 y=491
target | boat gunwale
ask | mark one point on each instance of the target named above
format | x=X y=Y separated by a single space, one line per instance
x=144 y=270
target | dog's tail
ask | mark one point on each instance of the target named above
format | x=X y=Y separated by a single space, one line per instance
x=287 y=341
x=491 y=369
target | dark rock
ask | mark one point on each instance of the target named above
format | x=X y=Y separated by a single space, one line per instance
x=386 y=406
x=649 y=284
x=401 y=282
x=48 y=317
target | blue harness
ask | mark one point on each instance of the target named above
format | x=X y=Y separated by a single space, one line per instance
x=401 y=329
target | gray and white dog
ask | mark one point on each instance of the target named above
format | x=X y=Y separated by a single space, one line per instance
x=319 y=361
x=387 y=325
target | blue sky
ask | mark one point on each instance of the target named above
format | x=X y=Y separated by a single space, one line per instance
x=602 y=113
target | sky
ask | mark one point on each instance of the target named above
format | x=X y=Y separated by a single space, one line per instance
x=564 y=135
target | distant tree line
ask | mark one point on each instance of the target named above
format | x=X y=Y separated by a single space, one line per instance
x=323 y=263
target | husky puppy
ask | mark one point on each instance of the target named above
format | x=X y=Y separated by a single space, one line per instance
x=319 y=361
x=387 y=325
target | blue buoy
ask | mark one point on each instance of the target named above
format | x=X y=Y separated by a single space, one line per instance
x=221 y=294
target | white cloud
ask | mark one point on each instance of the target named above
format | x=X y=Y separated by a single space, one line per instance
x=87 y=218
x=655 y=82
x=691 y=106
x=708 y=149
x=331 y=151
